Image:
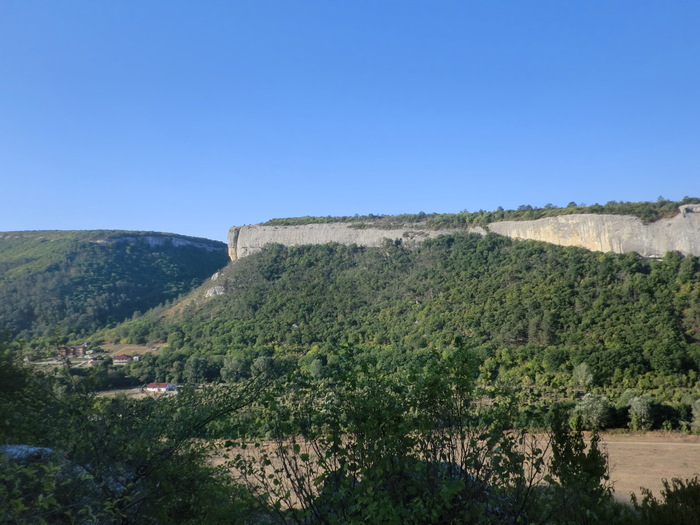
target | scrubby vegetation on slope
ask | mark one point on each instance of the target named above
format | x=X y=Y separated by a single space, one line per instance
x=58 y=284
x=647 y=211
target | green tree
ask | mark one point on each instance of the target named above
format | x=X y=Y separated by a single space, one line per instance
x=641 y=413
x=592 y=412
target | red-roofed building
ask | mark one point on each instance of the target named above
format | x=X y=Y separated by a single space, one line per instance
x=160 y=387
x=122 y=359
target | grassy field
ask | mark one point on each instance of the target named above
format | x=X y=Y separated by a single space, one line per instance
x=643 y=459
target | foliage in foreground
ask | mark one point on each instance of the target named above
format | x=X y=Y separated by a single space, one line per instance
x=382 y=442
x=112 y=459
x=418 y=444
x=679 y=503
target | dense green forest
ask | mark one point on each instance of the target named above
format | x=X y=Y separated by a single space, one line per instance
x=521 y=305
x=60 y=285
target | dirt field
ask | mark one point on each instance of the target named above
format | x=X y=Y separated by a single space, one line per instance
x=127 y=349
x=644 y=459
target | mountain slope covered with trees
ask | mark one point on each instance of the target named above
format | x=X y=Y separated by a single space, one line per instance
x=528 y=309
x=66 y=284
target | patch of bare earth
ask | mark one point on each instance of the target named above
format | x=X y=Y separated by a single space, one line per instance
x=116 y=349
x=643 y=459
x=635 y=459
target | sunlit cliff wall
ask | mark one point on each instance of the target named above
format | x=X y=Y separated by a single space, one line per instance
x=612 y=233
x=605 y=233
x=246 y=240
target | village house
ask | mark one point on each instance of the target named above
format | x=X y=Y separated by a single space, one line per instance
x=122 y=359
x=160 y=387
x=73 y=351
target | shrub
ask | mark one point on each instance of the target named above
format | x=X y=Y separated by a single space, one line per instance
x=695 y=426
x=679 y=503
x=591 y=413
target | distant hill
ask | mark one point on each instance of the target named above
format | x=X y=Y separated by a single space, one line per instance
x=59 y=283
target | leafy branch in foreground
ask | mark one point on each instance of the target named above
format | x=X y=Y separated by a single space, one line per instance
x=418 y=444
x=118 y=459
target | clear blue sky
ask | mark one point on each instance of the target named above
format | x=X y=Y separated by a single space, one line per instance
x=191 y=117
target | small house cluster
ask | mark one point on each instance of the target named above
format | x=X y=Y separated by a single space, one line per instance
x=73 y=351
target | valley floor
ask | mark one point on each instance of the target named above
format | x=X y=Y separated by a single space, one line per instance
x=643 y=459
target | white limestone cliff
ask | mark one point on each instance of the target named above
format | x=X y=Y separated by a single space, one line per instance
x=605 y=233
x=612 y=233
x=246 y=240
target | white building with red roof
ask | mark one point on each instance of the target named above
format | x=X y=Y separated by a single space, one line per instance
x=122 y=359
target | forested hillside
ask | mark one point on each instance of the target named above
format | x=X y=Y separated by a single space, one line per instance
x=64 y=284
x=528 y=309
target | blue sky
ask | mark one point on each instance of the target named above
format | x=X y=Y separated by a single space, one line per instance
x=191 y=117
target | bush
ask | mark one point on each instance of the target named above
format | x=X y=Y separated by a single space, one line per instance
x=696 y=416
x=591 y=413
x=679 y=503
x=418 y=444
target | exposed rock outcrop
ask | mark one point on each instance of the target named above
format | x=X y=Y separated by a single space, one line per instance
x=605 y=233
x=612 y=233
x=215 y=290
x=246 y=240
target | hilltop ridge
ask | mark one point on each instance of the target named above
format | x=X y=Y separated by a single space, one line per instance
x=596 y=232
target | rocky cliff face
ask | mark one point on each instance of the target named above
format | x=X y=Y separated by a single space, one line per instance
x=605 y=233
x=612 y=233
x=246 y=240
x=161 y=240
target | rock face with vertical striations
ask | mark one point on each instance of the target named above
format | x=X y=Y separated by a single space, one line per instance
x=605 y=233
x=612 y=233
x=246 y=240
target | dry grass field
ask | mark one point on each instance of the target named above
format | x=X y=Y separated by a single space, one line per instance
x=643 y=459
x=116 y=349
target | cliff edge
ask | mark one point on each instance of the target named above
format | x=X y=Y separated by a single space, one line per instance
x=612 y=233
x=604 y=233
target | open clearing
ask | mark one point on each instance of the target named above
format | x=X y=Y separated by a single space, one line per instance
x=636 y=459
x=643 y=459
x=116 y=349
